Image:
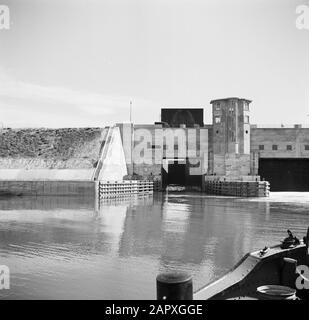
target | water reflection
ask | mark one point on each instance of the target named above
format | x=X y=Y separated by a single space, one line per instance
x=65 y=247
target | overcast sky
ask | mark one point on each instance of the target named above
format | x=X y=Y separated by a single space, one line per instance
x=80 y=62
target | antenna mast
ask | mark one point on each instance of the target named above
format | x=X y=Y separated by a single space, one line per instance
x=130 y=111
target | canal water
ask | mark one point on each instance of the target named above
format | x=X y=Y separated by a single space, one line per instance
x=63 y=248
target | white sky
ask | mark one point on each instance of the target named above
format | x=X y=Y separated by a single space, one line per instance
x=79 y=62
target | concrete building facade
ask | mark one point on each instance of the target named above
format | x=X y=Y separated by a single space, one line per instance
x=229 y=149
x=180 y=149
x=282 y=156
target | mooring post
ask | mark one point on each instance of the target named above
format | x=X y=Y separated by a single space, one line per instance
x=174 y=286
x=288 y=272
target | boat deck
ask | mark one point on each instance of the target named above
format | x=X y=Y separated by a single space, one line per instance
x=254 y=270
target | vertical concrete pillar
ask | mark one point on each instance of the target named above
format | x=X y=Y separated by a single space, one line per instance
x=127 y=136
x=204 y=149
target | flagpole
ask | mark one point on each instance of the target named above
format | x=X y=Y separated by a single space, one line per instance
x=130 y=111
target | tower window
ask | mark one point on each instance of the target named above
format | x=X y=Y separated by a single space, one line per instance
x=275 y=147
x=217 y=107
x=217 y=119
x=246 y=119
x=247 y=131
x=289 y=147
x=246 y=107
x=307 y=147
x=232 y=134
x=261 y=147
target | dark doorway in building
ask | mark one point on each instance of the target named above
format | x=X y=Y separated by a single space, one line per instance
x=285 y=174
x=176 y=173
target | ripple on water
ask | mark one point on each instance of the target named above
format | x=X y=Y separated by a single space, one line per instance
x=63 y=248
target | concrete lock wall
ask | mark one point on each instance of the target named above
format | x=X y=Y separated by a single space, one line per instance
x=46 y=174
x=50 y=188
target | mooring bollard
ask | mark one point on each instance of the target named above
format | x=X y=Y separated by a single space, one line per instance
x=174 y=286
x=288 y=272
